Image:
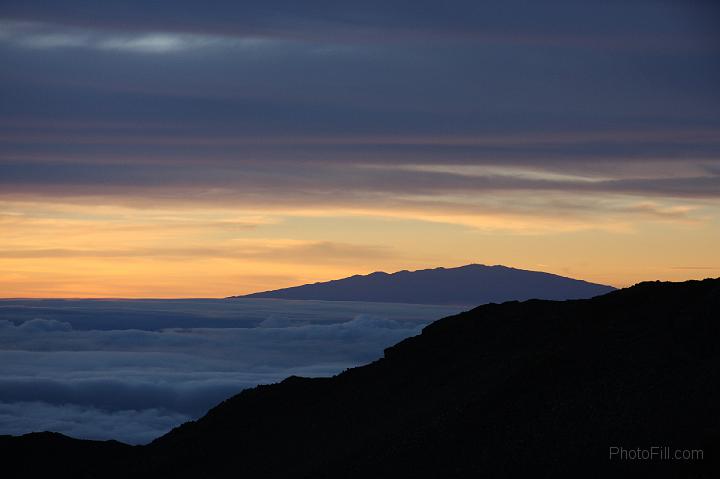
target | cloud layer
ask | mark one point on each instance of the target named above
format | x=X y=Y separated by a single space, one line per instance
x=96 y=374
x=256 y=99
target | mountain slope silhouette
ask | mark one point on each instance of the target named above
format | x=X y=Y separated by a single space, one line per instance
x=535 y=388
x=470 y=285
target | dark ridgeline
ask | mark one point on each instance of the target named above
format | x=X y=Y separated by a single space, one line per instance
x=522 y=389
x=470 y=285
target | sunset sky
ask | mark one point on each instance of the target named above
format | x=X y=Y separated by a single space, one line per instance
x=205 y=149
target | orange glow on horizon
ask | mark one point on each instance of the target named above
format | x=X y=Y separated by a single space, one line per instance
x=76 y=250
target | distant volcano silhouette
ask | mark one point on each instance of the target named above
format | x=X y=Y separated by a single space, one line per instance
x=472 y=284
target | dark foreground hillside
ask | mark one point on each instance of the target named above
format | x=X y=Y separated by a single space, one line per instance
x=537 y=388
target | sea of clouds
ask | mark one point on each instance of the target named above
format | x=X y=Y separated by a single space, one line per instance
x=132 y=370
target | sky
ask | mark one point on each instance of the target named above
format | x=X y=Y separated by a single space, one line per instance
x=133 y=370
x=206 y=149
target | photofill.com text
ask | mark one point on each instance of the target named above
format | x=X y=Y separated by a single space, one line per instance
x=655 y=453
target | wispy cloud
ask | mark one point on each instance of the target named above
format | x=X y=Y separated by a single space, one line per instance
x=243 y=181
x=267 y=249
x=556 y=22
x=35 y=35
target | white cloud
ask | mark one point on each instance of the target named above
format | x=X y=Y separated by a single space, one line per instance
x=44 y=325
x=38 y=35
x=153 y=43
